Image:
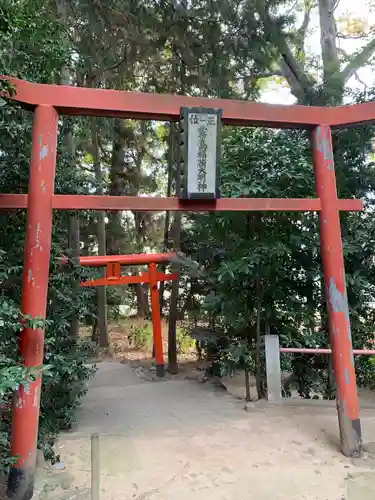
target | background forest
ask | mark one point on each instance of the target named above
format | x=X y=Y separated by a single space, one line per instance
x=236 y=49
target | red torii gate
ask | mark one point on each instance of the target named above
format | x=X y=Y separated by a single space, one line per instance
x=47 y=102
x=113 y=277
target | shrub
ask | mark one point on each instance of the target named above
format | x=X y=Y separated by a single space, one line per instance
x=185 y=343
x=141 y=335
x=365 y=370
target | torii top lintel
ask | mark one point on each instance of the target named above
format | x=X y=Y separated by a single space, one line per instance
x=125 y=260
x=116 y=103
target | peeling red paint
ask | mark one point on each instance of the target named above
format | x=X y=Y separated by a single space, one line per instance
x=156 y=204
x=125 y=260
x=323 y=145
x=35 y=279
x=137 y=105
x=337 y=304
x=37 y=235
x=36 y=397
x=43 y=152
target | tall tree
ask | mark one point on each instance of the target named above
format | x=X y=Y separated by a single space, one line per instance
x=101 y=292
x=311 y=83
x=66 y=78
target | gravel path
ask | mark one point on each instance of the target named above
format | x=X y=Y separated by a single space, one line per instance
x=181 y=440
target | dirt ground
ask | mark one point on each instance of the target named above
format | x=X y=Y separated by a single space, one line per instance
x=187 y=440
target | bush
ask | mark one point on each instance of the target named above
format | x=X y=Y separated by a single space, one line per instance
x=141 y=335
x=185 y=343
x=365 y=371
x=66 y=356
x=63 y=387
x=64 y=373
x=12 y=374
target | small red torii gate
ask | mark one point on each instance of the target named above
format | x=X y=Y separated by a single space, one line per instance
x=113 y=277
x=48 y=102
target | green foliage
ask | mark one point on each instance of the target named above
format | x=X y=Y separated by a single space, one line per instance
x=30 y=41
x=66 y=356
x=185 y=343
x=141 y=335
x=12 y=374
x=271 y=260
x=235 y=356
x=114 y=300
x=365 y=369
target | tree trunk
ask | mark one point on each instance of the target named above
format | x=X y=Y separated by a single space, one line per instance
x=95 y=331
x=143 y=308
x=173 y=312
x=141 y=292
x=172 y=328
x=333 y=83
x=85 y=239
x=74 y=246
x=258 y=345
x=167 y=214
x=101 y=291
x=62 y=13
x=115 y=236
x=73 y=223
x=119 y=171
x=247 y=386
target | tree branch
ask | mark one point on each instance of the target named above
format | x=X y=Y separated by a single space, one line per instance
x=360 y=81
x=293 y=82
x=86 y=169
x=290 y=67
x=342 y=36
x=253 y=78
x=300 y=36
x=268 y=74
x=305 y=23
x=358 y=61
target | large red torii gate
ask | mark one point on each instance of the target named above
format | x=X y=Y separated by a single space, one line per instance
x=47 y=102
